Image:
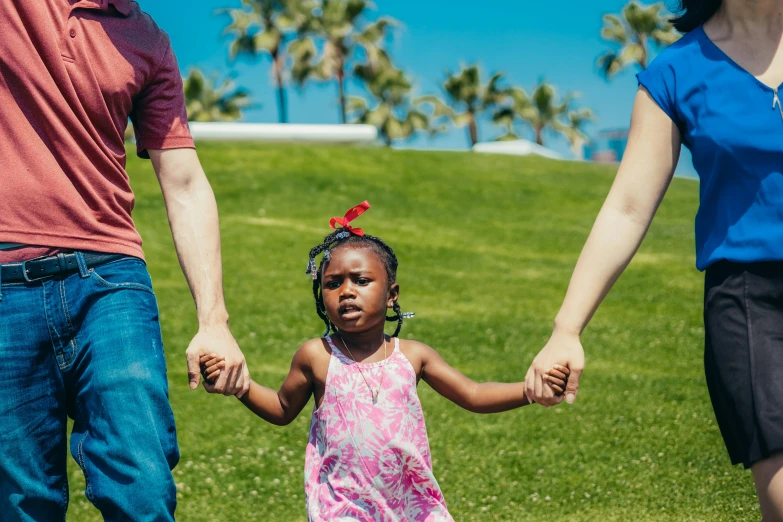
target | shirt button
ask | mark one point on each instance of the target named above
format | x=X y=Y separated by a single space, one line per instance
x=73 y=33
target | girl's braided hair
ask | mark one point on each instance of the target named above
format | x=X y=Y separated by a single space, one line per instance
x=343 y=237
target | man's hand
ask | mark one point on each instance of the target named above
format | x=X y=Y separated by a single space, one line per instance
x=564 y=349
x=234 y=378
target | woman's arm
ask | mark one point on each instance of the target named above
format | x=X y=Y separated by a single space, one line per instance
x=281 y=407
x=486 y=397
x=642 y=179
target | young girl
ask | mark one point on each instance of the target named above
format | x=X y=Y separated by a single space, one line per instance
x=368 y=457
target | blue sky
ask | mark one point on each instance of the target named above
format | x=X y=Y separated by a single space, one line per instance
x=558 y=41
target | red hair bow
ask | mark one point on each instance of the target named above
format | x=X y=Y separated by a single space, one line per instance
x=352 y=214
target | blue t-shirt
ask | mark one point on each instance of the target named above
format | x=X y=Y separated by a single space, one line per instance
x=733 y=126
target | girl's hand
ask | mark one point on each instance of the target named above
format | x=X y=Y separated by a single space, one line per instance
x=211 y=365
x=557 y=378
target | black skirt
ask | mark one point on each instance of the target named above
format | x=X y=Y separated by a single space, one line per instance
x=743 y=356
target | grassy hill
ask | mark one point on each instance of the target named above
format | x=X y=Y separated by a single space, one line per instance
x=486 y=247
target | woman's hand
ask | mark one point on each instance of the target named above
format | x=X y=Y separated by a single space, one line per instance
x=563 y=349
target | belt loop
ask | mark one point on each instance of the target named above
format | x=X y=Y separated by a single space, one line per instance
x=1 y=283
x=83 y=271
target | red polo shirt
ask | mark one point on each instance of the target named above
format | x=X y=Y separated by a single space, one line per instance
x=71 y=73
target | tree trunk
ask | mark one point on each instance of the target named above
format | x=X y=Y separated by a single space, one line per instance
x=282 y=107
x=578 y=148
x=643 y=43
x=341 y=90
x=540 y=136
x=472 y=130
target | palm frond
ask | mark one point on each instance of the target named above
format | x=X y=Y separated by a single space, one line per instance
x=205 y=101
x=440 y=109
x=609 y=64
x=614 y=30
x=633 y=35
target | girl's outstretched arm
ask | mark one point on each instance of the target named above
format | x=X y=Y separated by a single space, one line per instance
x=281 y=407
x=486 y=397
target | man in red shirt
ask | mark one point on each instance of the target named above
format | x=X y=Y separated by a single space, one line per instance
x=79 y=331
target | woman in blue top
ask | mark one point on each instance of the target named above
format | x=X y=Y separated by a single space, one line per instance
x=716 y=92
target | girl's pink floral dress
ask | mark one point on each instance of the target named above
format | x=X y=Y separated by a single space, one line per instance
x=366 y=461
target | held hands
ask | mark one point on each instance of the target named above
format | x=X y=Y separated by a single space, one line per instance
x=234 y=379
x=557 y=378
x=563 y=349
x=211 y=366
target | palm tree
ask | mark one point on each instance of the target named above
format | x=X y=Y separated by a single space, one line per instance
x=337 y=24
x=266 y=27
x=205 y=101
x=542 y=111
x=632 y=33
x=468 y=98
x=519 y=107
x=394 y=113
x=577 y=119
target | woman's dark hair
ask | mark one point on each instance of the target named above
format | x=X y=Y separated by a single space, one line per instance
x=341 y=238
x=693 y=13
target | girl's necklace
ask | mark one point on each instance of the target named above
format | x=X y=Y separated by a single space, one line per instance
x=358 y=366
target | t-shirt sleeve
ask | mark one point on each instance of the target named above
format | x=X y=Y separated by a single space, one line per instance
x=159 y=117
x=659 y=80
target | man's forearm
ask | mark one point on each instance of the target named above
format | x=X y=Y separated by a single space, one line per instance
x=193 y=218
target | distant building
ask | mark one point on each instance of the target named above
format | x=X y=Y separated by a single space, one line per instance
x=608 y=146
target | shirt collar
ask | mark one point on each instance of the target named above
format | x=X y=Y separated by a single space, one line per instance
x=123 y=6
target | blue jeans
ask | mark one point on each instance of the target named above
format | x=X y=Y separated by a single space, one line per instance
x=86 y=346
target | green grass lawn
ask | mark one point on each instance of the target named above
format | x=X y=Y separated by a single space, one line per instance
x=486 y=247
